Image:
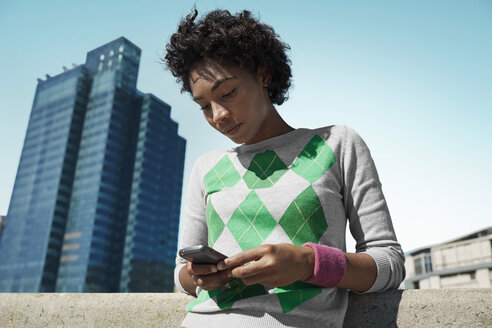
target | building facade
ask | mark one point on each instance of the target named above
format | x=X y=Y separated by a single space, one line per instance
x=96 y=200
x=2 y=222
x=464 y=262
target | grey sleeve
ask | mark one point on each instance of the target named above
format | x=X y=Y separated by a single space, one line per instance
x=193 y=230
x=369 y=218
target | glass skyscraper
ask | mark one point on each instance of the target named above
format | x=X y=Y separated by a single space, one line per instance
x=96 y=200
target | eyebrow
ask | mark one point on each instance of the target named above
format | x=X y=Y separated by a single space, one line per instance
x=216 y=85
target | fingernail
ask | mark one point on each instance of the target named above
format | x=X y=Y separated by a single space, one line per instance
x=214 y=269
x=221 y=266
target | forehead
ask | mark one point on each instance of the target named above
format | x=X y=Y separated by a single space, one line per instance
x=210 y=73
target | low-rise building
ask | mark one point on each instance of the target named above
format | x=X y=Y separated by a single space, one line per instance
x=464 y=262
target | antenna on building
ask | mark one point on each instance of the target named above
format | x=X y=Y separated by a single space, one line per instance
x=47 y=76
x=65 y=68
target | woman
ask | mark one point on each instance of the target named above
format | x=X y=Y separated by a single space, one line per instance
x=277 y=205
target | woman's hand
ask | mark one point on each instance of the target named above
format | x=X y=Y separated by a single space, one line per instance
x=206 y=276
x=271 y=265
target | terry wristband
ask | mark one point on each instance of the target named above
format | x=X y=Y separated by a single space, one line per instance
x=329 y=265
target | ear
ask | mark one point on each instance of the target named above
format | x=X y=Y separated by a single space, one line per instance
x=264 y=77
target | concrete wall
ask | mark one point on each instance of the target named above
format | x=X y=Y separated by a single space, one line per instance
x=410 y=308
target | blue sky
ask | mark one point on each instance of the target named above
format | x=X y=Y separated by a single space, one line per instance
x=413 y=78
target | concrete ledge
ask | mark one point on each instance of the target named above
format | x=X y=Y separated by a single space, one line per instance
x=421 y=308
x=409 y=308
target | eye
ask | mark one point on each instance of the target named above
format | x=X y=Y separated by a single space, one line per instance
x=205 y=107
x=230 y=93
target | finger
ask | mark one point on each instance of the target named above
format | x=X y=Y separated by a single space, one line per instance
x=249 y=270
x=249 y=255
x=202 y=269
x=221 y=265
x=214 y=281
x=254 y=279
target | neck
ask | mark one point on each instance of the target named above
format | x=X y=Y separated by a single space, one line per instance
x=273 y=126
x=281 y=127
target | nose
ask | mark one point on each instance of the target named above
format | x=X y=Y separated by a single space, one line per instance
x=219 y=112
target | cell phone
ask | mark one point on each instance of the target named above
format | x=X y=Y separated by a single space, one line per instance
x=201 y=254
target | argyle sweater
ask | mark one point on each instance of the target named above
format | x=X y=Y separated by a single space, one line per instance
x=302 y=186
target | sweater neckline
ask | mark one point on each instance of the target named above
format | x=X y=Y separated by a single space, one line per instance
x=278 y=140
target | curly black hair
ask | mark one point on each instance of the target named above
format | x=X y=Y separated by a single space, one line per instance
x=238 y=39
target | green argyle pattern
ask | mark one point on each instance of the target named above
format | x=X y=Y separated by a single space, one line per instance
x=314 y=160
x=238 y=290
x=304 y=220
x=251 y=223
x=222 y=175
x=289 y=296
x=265 y=169
x=214 y=224
x=297 y=293
x=204 y=296
x=225 y=299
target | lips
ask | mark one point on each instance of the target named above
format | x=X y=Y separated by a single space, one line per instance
x=231 y=130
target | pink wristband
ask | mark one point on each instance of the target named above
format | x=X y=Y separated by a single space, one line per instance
x=329 y=265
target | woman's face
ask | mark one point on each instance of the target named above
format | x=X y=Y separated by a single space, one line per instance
x=234 y=101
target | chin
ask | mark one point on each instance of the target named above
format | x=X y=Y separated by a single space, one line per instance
x=237 y=141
